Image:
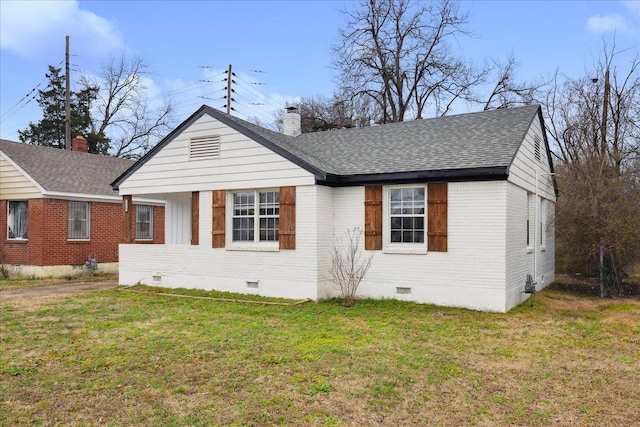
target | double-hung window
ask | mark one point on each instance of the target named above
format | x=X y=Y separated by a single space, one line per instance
x=144 y=222
x=17 y=219
x=407 y=215
x=404 y=222
x=79 y=222
x=256 y=216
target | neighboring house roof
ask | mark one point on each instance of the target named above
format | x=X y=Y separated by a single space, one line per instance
x=466 y=146
x=62 y=171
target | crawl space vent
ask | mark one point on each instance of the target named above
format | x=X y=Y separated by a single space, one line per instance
x=403 y=291
x=205 y=147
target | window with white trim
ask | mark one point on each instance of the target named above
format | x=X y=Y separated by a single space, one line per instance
x=407 y=216
x=255 y=216
x=144 y=222
x=17 y=219
x=79 y=220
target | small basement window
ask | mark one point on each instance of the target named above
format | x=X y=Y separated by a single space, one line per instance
x=204 y=147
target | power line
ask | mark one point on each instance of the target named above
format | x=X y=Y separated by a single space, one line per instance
x=30 y=94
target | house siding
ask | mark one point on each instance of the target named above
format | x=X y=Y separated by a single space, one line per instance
x=14 y=185
x=525 y=164
x=242 y=163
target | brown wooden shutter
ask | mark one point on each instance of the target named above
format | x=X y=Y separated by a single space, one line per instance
x=218 y=221
x=128 y=219
x=195 y=217
x=287 y=222
x=437 y=216
x=373 y=217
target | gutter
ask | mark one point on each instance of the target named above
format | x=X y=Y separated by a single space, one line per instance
x=497 y=173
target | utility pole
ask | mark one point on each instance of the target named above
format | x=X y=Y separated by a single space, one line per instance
x=230 y=81
x=67 y=101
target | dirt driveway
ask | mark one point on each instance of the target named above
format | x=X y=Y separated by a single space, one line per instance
x=50 y=292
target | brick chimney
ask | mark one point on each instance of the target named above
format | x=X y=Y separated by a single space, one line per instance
x=80 y=144
x=291 y=122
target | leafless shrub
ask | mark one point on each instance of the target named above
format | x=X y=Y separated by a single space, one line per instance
x=349 y=265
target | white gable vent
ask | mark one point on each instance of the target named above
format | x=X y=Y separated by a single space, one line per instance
x=205 y=147
x=536 y=148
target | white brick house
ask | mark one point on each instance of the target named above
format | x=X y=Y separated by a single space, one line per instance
x=457 y=210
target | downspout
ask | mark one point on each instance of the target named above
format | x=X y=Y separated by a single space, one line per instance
x=536 y=224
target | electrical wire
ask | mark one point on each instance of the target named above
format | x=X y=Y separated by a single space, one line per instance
x=30 y=96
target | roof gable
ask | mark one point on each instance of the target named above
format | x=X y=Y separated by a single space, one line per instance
x=61 y=171
x=466 y=146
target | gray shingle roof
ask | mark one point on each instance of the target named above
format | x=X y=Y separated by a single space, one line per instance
x=474 y=140
x=66 y=171
x=475 y=144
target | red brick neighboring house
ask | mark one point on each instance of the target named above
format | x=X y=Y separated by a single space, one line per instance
x=57 y=210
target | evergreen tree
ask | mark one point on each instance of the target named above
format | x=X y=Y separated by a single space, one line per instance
x=50 y=130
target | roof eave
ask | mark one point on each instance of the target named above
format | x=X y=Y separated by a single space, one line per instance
x=495 y=173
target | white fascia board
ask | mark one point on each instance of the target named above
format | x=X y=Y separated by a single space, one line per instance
x=81 y=197
x=15 y=165
x=99 y=198
x=146 y=201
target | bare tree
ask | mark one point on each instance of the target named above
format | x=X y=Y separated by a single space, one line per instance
x=508 y=91
x=595 y=122
x=349 y=265
x=396 y=53
x=123 y=110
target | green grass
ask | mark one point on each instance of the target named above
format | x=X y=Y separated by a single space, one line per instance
x=28 y=282
x=124 y=358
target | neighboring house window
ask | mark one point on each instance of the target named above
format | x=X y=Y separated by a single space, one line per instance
x=256 y=216
x=17 y=219
x=407 y=215
x=79 y=220
x=144 y=222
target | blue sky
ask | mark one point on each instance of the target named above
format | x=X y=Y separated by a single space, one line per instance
x=288 y=42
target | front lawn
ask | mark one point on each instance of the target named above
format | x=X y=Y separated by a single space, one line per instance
x=123 y=358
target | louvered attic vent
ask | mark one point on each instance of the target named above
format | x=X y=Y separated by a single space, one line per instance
x=205 y=147
x=536 y=148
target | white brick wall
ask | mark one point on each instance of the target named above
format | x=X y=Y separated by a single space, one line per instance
x=291 y=273
x=470 y=275
x=483 y=269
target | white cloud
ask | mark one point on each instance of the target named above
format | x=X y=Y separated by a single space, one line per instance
x=608 y=23
x=37 y=29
